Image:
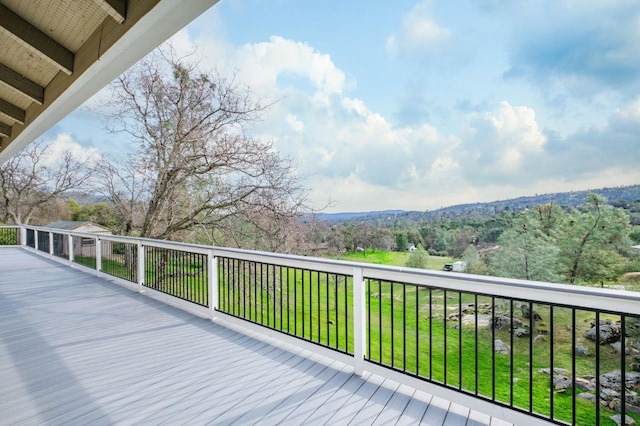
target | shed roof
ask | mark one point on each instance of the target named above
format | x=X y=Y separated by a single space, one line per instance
x=70 y=225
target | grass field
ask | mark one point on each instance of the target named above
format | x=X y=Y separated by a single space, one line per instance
x=393 y=258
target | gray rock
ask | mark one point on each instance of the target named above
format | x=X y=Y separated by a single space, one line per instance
x=587 y=396
x=562 y=382
x=520 y=332
x=627 y=420
x=617 y=346
x=609 y=332
x=556 y=370
x=504 y=320
x=524 y=309
x=585 y=384
x=582 y=351
x=613 y=378
x=500 y=347
x=607 y=394
x=539 y=338
x=483 y=320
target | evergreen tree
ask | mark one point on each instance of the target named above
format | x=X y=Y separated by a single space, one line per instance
x=526 y=251
x=588 y=241
x=402 y=241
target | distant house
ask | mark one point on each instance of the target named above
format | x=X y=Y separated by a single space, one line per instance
x=81 y=246
x=411 y=248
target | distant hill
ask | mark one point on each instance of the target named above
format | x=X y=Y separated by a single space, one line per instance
x=343 y=217
x=566 y=199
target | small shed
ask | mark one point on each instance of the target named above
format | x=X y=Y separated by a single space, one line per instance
x=81 y=246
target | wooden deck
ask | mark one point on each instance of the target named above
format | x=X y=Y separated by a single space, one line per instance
x=78 y=349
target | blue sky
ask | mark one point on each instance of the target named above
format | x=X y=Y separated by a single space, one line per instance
x=419 y=105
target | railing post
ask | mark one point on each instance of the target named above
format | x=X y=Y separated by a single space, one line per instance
x=50 y=243
x=98 y=254
x=140 y=266
x=23 y=236
x=35 y=239
x=212 y=283
x=359 y=324
x=70 y=247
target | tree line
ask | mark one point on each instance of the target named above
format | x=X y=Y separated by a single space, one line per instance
x=589 y=243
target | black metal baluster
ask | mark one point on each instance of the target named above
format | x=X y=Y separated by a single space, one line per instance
x=326 y=307
x=430 y=334
x=304 y=304
x=573 y=365
x=460 y=340
x=511 y=353
x=493 y=348
x=346 y=314
x=335 y=302
x=531 y=325
x=417 y=337
x=392 y=328
x=623 y=369
x=319 y=305
x=404 y=327
x=597 y=367
x=551 y=360
x=444 y=318
x=380 y=320
x=475 y=313
x=295 y=301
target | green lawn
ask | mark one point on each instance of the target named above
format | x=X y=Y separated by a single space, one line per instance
x=393 y=258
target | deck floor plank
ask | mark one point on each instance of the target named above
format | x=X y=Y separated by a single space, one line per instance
x=76 y=348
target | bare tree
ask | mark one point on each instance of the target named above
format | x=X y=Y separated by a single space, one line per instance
x=194 y=166
x=29 y=182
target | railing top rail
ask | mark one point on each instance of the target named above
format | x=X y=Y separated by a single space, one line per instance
x=557 y=294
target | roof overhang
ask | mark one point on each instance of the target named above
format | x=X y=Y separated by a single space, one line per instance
x=56 y=54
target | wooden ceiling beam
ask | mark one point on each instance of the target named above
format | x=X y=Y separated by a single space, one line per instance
x=5 y=130
x=12 y=111
x=117 y=9
x=22 y=84
x=25 y=33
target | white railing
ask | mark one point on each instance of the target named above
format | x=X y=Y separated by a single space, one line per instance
x=438 y=331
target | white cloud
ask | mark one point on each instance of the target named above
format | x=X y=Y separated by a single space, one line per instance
x=62 y=144
x=296 y=125
x=629 y=113
x=419 y=32
x=261 y=65
x=500 y=143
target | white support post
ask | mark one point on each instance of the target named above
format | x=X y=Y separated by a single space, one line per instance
x=212 y=283
x=359 y=323
x=70 y=247
x=23 y=236
x=98 y=254
x=50 y=243
x=35 y=239
x=140 y=266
